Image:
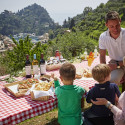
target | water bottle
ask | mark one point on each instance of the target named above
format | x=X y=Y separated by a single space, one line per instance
x=95 y=52
x=85 y=54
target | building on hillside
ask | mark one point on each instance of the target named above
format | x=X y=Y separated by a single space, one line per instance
x=68 y=31
x=44 y=38
x=46 y=25
x=2 y=46
x=57 y=24
x=46 y=35
x=33 y=34
x=20 y=35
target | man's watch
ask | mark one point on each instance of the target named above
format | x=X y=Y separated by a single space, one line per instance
x=118 y=66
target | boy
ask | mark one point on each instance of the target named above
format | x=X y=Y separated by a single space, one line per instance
x=69 y=96
x=98 y=114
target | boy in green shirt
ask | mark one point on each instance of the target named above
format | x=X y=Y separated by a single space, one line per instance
x=69 y=96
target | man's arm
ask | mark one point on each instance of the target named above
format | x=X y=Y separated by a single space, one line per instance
x=102 y=56
x=103 y=59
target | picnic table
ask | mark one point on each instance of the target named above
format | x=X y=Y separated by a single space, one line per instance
x=15 y=110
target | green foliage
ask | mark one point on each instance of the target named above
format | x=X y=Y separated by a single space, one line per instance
x=72 y=24
x=38 y=49
x=3 y=64
x=32 y=19
x=16 y=57
x=71 y=44
x=14 y=60
x=85 y=31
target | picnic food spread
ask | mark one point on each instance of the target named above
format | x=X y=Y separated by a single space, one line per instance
x=53 y=63
x=20 y=88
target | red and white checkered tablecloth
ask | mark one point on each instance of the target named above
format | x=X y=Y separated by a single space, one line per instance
x=15 y=110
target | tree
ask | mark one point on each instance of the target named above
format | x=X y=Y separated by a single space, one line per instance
x=65 y=23
x=87 y=10
x=15 y=59
x=28 y=20
x=72 y=24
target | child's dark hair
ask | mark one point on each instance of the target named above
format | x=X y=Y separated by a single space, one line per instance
x=67 y=71
x=100 y=72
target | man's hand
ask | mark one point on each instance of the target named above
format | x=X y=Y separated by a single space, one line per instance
x=100 y=101
x=112 y=66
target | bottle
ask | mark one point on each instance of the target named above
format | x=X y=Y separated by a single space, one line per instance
x=57 y=55
x=85 y=54
x=42 y=65
x=61 y=57
x=95 y=52
x=28 y=67
x=35 y=65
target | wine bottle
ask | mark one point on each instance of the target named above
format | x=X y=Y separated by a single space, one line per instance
x=57 y=55
x=35 y=65
x=42 y=65
x=28 y=67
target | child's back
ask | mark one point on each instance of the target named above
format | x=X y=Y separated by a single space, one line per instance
x=107 y=90
x=69 y=104
x=99 y=114
x=69 y=96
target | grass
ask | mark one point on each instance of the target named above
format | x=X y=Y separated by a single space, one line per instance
x=120 y=88
x=50 y=118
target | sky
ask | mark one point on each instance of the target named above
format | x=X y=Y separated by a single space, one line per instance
x=59 y=10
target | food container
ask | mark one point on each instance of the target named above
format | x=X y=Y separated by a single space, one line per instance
x=42 y=98
x=13 y=89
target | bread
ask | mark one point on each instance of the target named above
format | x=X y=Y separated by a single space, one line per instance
x=27 y=84
x=78 y=76
x=43 y=86
x=87 y=73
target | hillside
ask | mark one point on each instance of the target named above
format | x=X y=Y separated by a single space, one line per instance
x=94 y=19
x=83 y=32
x=32 y=19
x=85 y=29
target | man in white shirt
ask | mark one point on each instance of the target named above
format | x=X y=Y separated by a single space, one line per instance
x=113 y=40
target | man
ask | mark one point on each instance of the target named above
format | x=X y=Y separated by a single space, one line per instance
x=113 y=40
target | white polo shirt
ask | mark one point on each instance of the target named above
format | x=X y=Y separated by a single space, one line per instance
x=115 y=47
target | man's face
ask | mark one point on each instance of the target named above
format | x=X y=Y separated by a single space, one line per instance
x=114 y=27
